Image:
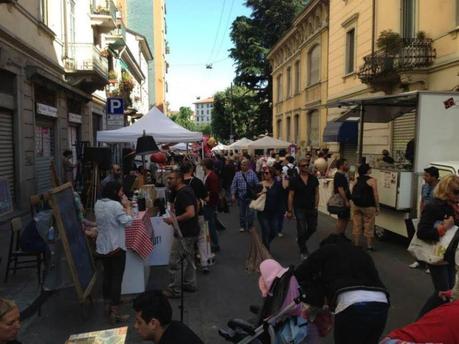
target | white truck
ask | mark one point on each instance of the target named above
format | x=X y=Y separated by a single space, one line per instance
x=436 y=144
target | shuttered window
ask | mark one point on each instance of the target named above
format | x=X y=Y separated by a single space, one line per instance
x=7 y=150
x=404 y=129
x=44 y=154
x=313 y=129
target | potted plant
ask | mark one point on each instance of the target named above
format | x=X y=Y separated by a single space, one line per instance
x=390 y=43
x=112 y=77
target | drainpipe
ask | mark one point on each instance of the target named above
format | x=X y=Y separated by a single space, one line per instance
x=373 y=30
x=66 y=41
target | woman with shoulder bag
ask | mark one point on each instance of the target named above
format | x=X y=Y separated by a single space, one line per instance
x=269 y=216
x=113 y=215
x=438 y=217
x=341 y=188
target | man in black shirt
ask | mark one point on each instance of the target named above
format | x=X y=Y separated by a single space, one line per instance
x=303 y=199
x=341 y=186
x=153 y=321
x=186 y=211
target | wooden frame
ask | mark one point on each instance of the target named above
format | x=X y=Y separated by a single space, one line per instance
x=82 y=293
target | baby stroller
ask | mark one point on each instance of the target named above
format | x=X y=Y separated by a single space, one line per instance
x=280 y=314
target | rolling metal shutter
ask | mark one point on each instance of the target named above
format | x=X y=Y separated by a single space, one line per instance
x=7 y=150
x=404 y=129
x=348 y=151
x=44 y=154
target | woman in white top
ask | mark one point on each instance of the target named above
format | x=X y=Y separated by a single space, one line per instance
x=113 y=214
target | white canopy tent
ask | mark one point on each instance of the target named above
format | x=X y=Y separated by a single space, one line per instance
x=220 y=147
x=268 y=142
x=154 y=123
x=240 y=144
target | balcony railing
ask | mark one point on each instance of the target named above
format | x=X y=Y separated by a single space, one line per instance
x=103 y=13
x=85 y=57
x=414 y=54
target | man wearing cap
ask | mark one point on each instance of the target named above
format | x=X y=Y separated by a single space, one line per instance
x=431 y=177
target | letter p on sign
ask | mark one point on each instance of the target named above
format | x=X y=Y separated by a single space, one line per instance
x=115 y=106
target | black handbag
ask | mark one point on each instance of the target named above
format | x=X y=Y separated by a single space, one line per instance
x=251 y=192
x=450 y=253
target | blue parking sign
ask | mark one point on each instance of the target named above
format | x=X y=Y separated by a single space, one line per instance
x=115 y=106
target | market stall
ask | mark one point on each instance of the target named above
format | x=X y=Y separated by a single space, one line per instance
x=242 y=144
x=268 y=142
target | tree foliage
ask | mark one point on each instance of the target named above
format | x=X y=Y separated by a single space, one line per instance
x=236 y=109
x=184 y=117
x=253 y=37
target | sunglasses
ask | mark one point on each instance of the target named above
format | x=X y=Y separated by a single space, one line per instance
x=266 y=172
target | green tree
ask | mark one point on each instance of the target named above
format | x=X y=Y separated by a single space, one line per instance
x=184 y=117
x=236 y=109
x=253 y=37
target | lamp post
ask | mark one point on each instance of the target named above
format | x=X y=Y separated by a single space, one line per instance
x=231 y=115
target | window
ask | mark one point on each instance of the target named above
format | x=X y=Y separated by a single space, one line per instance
x=279 y=129
x=207 y=111
x=44 y=11
x=350 y=51
x=296 y=128
x=289 y=82
x=314 y=65
x=409 y=18
x=279 y=87
x=313 y=128
x=288 y=128
x=297 y=77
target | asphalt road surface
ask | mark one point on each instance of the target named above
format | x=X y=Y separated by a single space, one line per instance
x=229 y=289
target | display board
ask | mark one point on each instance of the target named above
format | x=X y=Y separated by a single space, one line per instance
x=77 y=251
x=6 y=203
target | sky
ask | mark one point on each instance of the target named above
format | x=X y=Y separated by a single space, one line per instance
x=198 y=34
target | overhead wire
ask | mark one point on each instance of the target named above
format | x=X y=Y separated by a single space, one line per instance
x=218 y=30
x=226 y=28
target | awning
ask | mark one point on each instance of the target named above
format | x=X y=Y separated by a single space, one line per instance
x=342 y=132
x=379 y=109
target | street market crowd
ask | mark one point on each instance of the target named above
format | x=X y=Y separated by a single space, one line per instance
x=334 y=287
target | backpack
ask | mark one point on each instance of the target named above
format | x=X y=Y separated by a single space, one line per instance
x=292 y=172
x=359 y=195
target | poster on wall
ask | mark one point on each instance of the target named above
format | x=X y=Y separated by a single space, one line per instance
x=6 y=203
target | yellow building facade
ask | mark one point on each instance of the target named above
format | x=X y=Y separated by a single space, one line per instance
x=300 y=74
x=426 y=57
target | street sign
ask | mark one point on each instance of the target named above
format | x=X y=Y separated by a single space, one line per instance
x=115 y=106
x=115 y=113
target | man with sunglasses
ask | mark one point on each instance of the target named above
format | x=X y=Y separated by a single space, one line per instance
x=303 y=201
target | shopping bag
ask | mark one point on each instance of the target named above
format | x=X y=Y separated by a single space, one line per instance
x=431 y=252
x=257 y=252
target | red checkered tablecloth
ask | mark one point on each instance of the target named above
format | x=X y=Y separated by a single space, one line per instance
x=139 y=234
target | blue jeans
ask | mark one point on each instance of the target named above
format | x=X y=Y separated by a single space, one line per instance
x=443 y=278
x=269 y=223
x=210 y=215
x=361 y=323
x=246 y=215
x=306 y=225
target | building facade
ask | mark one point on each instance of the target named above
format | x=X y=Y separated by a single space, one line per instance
x=148 y=18
x=56 y=57
x=300 y=78
x=203 y=111
x=356 y=60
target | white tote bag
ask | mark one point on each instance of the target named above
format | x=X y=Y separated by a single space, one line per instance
x=431 y=252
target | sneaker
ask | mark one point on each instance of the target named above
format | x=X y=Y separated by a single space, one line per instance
x=169 y=293
x=303 y=256
x=370 y=249
x=189 y=289
x=205 y=270
x=280 y=235
x=241 y=230
x=427 y=271
x=415 y=265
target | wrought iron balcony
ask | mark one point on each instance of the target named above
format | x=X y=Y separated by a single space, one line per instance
x=103 y=15
x=384 y=67
x=86 y=67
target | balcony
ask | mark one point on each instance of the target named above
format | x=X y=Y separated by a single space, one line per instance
x=383 y=70
x=86 y=68
x=103 y=15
